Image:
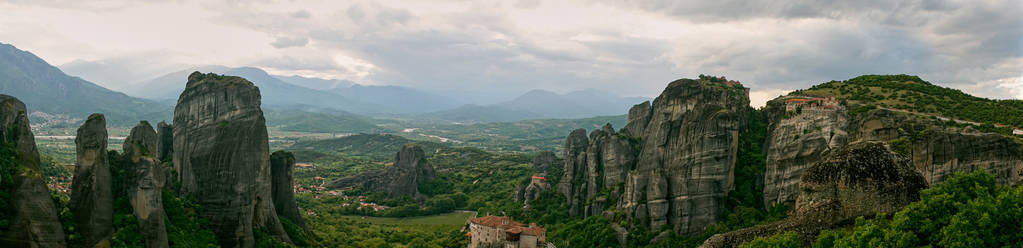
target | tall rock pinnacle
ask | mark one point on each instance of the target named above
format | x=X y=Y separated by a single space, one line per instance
x=282 y=166
x=33 y=217
x=145 y=185
x=92 y=201
x=221 y=153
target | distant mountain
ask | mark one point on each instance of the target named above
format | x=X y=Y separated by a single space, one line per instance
x=119 y=72
x=397 y=99
x=542 y=104
x=275 y=92
x=317 y=83
x=390 y=98
x=45 y=88
x=168 y=86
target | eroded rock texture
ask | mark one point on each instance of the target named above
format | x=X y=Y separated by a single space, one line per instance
x=937 y=151
x=671 y=165
x=860 y=179
x=32 y=215
x=165 y=142
x=282 y=167
x=796 y=140
x=403 y=179
x=92 y=200
x=222 y=157
x=145 y=185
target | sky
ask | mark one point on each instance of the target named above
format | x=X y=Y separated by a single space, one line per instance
x=629 y=47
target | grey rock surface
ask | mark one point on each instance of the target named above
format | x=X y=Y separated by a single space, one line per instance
x=402 y=179
x=33 y=216
x=671 y=165
x=282 y=167
x=221 y=155
x=145 y=185
x=92 y=201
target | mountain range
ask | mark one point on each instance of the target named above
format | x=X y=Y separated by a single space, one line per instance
x=47 y=89
x=53 y=92
x=542 y=104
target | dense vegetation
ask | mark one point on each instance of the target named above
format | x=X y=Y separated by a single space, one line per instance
x=967 y=210
x=301 y=121
x=368 y=146
x=911 y=93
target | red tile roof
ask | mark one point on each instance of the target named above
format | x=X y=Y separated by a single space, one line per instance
x=510 y=226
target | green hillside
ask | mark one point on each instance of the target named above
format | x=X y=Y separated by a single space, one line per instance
x=906 y=92
x=375 y=146
x=301 y=121
x=45 y=88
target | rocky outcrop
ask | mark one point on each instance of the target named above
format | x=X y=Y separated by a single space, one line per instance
x=671 y=165
x=538 y=182
x=796 y=140
x=857 y=180
x=145 y=184
x=282 y=167
x=31 y=214
x=92 y=201
x=165 y=142
x=222 y=157
x=938 y=150
x=402 y=179
x=639 y=117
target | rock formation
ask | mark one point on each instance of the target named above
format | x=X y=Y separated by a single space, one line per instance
x=403 y=179
x=145 y=185
x=671 y=165
x=797 y=140
x=221 y=154
x=538 y=183
x=282 y=167
x=92 y=201
x=32 y=217
x=857 y=180
x=165 y=142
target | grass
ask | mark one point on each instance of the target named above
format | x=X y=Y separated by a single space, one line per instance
x=449 y=219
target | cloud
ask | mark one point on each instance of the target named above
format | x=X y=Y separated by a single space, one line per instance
x=631 y=47
x=285 y=42
x=759 y=98
x=301 y=14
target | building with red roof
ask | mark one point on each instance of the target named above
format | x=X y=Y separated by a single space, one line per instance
x=502 y=231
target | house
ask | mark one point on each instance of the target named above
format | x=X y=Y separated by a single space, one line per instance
x=502 y=231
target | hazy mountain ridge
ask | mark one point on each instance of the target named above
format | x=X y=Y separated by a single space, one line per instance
x=542 y=104
x=46 y=88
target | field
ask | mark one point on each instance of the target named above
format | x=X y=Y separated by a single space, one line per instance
x=456 y=219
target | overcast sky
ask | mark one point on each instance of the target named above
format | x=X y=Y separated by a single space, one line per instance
x=632 y=48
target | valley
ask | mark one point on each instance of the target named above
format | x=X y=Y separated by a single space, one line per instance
x=511 y=124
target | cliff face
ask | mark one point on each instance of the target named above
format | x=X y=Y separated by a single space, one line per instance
x=410 y=168
x=860 y=179
x=145 y=185
x=222 y=157
x=282 y=166
x=938 y=151
x=797 y=139
x=671 y=165
x=32 y=215
x=92 y=201
x=165 y=142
